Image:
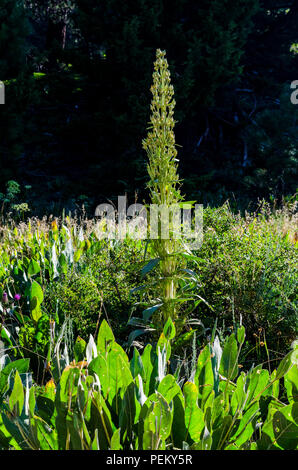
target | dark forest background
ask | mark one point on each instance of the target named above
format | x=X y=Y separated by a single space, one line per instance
x=78 y=75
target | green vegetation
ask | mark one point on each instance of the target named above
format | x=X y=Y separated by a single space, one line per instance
x=163 y=185
x=109 y=402
x=60 y=284
x=247 y=271
x=190 y=324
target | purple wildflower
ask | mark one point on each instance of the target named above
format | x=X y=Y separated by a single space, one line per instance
x=5 y=298
x=17 y=296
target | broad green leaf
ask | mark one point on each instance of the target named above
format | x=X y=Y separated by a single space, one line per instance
x=147 y=313
x=204 y=378
x=134 y=334
x=149 y=266
x=169 y=329
x=205 y=443
x=148 y=368
x=95 y=442
x=164 y=343
x=194 y=417
x=16 y=399
x=256 y=383
x=115 y=441
x=130 y=409
x=21 y=365
x=228 y=365
x=168 y=388
x=117 y=348
x=63 y=263
x=114 y=375
x=105 y=337
x=79 y=349
x=45 y=404
x=240 y=394
x=47 y=436
x=36 y=298
x=78 y=255
x=18 y=442
x=241 y=334
x=102 y=420
x=68 y=378
x=217 y=411
x=33 y=268
x=178 y=426
x=280 y=430
x=157 y=423
x=6 y=335
x=291 y=383
x=36 y=292
x=6 y=440
x=36 y=313
x=285 y=365
x=272 y=389
x=244 y=426
x=221 y=434
x=32 y=402
x=136 y=364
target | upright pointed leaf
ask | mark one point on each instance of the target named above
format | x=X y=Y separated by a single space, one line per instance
x=204 y=378
x=194 y=417
x=105 y=337
x=228 y=365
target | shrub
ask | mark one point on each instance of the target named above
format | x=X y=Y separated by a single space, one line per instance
x=76 y=297
x=100 y=285
x=247 y=268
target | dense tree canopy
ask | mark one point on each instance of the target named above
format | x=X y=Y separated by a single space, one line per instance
x=13 y=33
x=78 y=96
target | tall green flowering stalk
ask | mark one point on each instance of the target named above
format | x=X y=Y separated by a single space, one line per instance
x=164 y=180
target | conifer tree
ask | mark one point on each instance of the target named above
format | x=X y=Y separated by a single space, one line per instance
x=206 y=43
x=14 y=28
x=13 y=31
